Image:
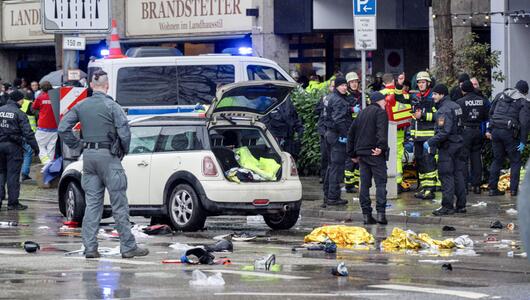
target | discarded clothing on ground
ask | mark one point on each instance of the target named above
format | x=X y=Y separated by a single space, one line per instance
x=409 y=240
x=220 y=246
x=342 y=236
x=496 y=225
x=264 y=167
x=162 y=229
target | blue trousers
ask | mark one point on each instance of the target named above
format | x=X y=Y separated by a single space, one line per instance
x=26 y=164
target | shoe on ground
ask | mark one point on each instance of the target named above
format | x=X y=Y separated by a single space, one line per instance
x=337 y=202
x=495 y=192
x=351 y=190
x=368 y=219
x=25 y=177
x=476 y=190
x=513 y=193
x=17 y=207
x=92 y=254
x=136 y=252
x=462 y=210
x=403 y=187
x=419 y=194
x=443 y=211
x=381 y=218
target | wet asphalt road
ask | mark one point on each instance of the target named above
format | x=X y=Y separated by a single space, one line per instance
x=49 y=274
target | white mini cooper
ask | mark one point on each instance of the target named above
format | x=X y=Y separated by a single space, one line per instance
x=186 y=168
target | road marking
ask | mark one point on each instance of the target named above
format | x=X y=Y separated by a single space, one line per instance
x=257 y=274
x=12 y=252
x=397 y=287
x=302 y=294
x=117 y=260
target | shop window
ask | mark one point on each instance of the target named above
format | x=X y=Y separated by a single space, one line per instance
x=198 y=84
x=152 y=85
x=256 y=72
x=179 y=138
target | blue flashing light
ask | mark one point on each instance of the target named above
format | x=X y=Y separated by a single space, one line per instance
x=104 y=52
x=245 y=51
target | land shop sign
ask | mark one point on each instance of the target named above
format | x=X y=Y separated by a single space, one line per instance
x=164 y=17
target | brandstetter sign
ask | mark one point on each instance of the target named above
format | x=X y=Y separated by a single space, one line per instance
x=162 y=17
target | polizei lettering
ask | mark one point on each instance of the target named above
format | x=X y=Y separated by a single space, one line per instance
x=7 y=115
x=478 y=102
x=189 y=8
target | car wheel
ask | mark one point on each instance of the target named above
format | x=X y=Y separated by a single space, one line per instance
x=74 y=200
x=184 y=209
x=283 y=220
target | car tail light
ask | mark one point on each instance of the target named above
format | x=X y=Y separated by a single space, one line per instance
x=294 y=170
x=261 y=202
x=208 y=167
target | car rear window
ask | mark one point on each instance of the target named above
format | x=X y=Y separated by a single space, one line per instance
x=257 y=72
x=171 y=85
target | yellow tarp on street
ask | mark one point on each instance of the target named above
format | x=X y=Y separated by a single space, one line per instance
x=343 y=236
x=408 y=240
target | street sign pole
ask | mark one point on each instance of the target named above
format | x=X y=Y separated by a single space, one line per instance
x=70 y=59
x=365 y=34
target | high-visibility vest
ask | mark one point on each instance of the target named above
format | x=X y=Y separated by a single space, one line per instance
x=396 y=111
x=26 y=104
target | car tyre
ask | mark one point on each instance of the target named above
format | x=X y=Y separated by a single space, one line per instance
x=283 y=220
x=184 y=209
x=74 y=202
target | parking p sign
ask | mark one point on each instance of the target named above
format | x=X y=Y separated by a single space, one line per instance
x=365 y=24
x=364 y=7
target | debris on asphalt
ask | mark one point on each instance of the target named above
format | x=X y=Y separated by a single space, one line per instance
x=448 y=228
x=510 y=254
x=9 y=224
x=44 y=227
x=220 y=246
x=490 y=239
x=510 y=226
x=437 y=261
x=415 y=214
x=463 y=242
x=108 y=234
x=171 y=261
x=400 y=239
x=340 y=270
x=180 y=247
x=465 y=252
x=138 y=232
x=343 y=236
x=71 y=224
x=223 y=261
x=355 y=199
x=255 y=220
x=197 y=256
x=511 y=211
x=201 y=279
x=496 y=224
x=480 y=204
x=447 y=267
x=160 y=229
x=265 y=263
x=31 y=247
x=236 y=237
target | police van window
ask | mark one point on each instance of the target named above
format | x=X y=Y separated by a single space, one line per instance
x=143 y=139
x=256 y=72
x=180 y=138
x=198 y=83
x=150 y=85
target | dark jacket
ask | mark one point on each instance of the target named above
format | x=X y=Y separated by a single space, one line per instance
x=456 y=93
x=368 y=131
x=474 y=109
x=448 y=124
x=423 y=128
x=339 y=115
x=321 y=113
x=283 y=122
x=510 y=110
x=14 y=126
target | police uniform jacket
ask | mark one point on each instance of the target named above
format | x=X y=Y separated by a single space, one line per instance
x=321 y=113
x=339 y=115
x=510 y=110
x=284 y=122
x=448 y=125
x=15 y=127
x=99 y=115
x=368 y=131
x=474 y=109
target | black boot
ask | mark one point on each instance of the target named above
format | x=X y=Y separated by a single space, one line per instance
x=369 y=220
x=381 y=218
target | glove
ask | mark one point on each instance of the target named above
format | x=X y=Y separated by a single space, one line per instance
x=356 y=109
x=427 y=147
x=520 y=148
x=343 y=140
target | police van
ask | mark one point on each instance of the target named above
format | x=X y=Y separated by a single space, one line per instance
x=152 y=81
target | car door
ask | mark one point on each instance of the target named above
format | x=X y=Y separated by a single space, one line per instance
x=137 y=163
x=177 y=146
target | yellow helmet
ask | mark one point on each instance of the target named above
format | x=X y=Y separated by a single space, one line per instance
x=423 y=76
x=352 y=76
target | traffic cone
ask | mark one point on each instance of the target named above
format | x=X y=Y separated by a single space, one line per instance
x=115 y=48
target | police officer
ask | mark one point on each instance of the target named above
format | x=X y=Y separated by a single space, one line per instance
x=368 y=145
x=351 y=169
x=322 y=123
x=286 y=127
x=449 y=142
x=509 y=114
x=456 y=91
x=423 y=129
x=105 y=132
x=14 y=132
x=474 y=108
x=339 y=119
